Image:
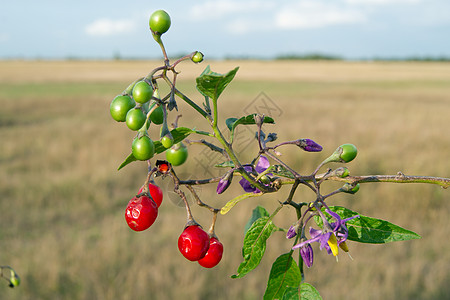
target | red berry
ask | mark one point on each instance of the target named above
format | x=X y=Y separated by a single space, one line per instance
x=156 y=193
x=193 y=243
x=214 y=254
x=163 y=166
x=141 y=213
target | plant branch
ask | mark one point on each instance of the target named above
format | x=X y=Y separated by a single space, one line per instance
x=399 y=178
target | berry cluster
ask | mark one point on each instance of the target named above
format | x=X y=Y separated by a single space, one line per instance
x=196 y=245
x=139 y=106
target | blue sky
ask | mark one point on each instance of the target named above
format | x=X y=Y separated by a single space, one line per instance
x=351 y=29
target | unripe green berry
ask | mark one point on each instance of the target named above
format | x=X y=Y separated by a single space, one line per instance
x=142 y=92
x=143 y=148
x=348 y=188
x=347 y=152
x=159 y=22
x=135 y=119
x=14 y=281
x=197 y=57
x=342 y=172
x=120 y=106
x=167 y=141
x=265 y=179
x=157 y=116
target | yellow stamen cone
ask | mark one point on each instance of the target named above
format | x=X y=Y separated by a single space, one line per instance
x=344 y=246
x=332 y=242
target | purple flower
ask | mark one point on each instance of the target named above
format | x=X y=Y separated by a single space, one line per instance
x=309 y=145
x=331 y=236
x=224 y=182
x=339 y=227
x=261 y=166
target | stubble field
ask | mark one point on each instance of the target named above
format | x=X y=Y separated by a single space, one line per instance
x=62 y=202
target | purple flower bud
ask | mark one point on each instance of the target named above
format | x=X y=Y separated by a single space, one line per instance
x=224 y=183
x=309 y=145
x=292 y=231
x=222 y=186
x=307 y=255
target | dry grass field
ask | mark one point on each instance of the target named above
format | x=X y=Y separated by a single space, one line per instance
x=62 y=201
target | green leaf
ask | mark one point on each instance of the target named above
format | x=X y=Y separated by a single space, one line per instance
x=280 y=171
x=130 y=158
x=371 y=230
x=308 y=292
x=178 y=134
x=230 y=122
x=247 y=120
x=257 y=213
x=255 y=245
x=226 y=164
x=284 y=273
x=291 y=293
x=211 y=84
x=230 y=204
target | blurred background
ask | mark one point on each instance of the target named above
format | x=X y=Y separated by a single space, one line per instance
x=373 y=73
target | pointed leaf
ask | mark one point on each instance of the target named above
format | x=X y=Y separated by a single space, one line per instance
x=284 y=273
x=280 y=171
x=130 y=158
x=371 y=230
x=255 y=245
x=308 y=292
x=230 y=204
x=230 y=122
x=257 y=213
x=226 y=164
x=211 y=84
x=247 y=120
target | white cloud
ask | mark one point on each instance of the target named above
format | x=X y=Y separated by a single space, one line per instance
x=210 y=10
x=315 y=14
x=107 y=27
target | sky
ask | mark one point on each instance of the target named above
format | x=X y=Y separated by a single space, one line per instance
x=351 y=29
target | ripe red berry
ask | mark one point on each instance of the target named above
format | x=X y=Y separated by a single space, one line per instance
x=193 y=243
x=214 y=254
x=163 y=167
x=141 y=213
x=156 y=193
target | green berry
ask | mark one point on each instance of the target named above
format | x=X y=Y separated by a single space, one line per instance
x=167 y=141
x=142 y=92
x=347 y=152
x=143 y=148
x=157 y=116
x=159 y=22
x=348 y=188
x=135 y=119
x=197 y=57
x=177 y=154
x=120 y=106
x=265 y=179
